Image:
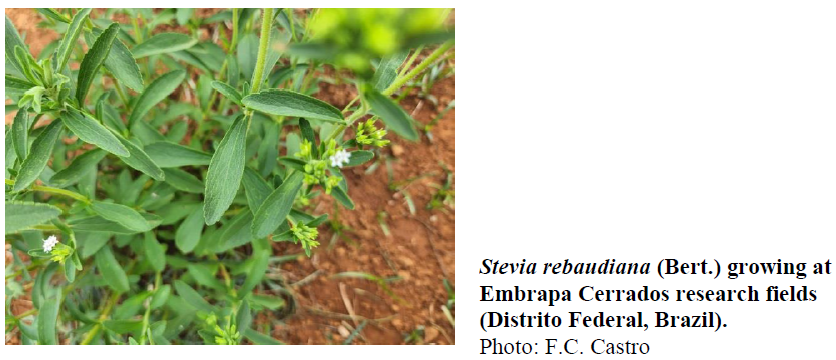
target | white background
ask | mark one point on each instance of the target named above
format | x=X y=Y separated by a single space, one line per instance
x=635 y=130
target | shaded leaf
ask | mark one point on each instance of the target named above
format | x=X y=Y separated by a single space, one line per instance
x=91 y=131
x=163 y=43
x=122 y=215
x=93 y=61
x=167 y=154
x=160 y=89
x=392 y=115
x=21 y=215
x=225 y=171
x=277 y=206
x=289 y=103
x=111 y=271
x=36 y=161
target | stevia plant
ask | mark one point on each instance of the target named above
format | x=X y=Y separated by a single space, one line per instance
x=148 y=172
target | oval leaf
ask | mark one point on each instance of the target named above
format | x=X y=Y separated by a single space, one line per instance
x=82 y=165
x=277 y=206
x=94 y=60
x=154 y=252
x=289 y=103
x=120 y=62
x=225 y=171
x=160 y=89
x=21 y=215
x=47 y=321
x=392 y=115
x=167 y=154
x=183 y=181
x=91 y=131
x=139 y=159
x=121 y=214
x=36 y=161
x=68 y=43
x=227 y=91
x=359 y=157
x=163 y=43
x=111 y=271
x=188 y=234
x=20 y=133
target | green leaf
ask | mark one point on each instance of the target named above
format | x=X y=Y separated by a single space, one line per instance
x=167 y=154
x=188 y=234
x=277 y=206
x=20 y=134
x=227 y=91
x=80 y=166
x=183 y=181
x=93 y=61
x=91 y=131
x=247 y=54
x=161 y=296
x=111 y=271
x=68 y=43
x=21 y=215
x=359 y=157
x=100 y=224
x=48 y=320
x=163 y=43
x=139 y=159
x=13 y=39
x=51 y=13
x=183 y=15
x=204 y=276
x=387 y=71
x=257 y=271
x=289 y=103
x=122 y=215
x=17 y=87
x=342 y=197
x=123 y=326
x=236 y=232
x=160 y=89
x=259 y=338
x=36 y=161
x=121 y=64
x=192 y=297
x=225 y=171
x=154 y=251
x=256 y=189
x=392 y=115
x=92 y=242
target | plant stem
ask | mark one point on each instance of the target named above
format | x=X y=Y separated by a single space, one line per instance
x=95 y=330
x=121 y=95
x=411 y=60
x=266 y=21
x=157 y=281
x=55 y=191
x=400 y=81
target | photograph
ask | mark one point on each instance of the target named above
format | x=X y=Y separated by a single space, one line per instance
x=243 y=176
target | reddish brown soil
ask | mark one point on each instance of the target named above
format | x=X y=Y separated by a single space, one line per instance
x=420 y=249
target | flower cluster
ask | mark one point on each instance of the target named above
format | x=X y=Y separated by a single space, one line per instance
x=368 y=134
x=306 y=235
x=223 y=336
x=315 y=168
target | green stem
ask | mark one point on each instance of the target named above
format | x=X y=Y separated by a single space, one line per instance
x=91 y=335
x=266 y=20
x=122 y=95
x=55 y=191
x=400 y=81
x=411 y=60
x=147 y=316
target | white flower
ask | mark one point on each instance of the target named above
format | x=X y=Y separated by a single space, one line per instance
x=50 y=243
x=340 y=158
